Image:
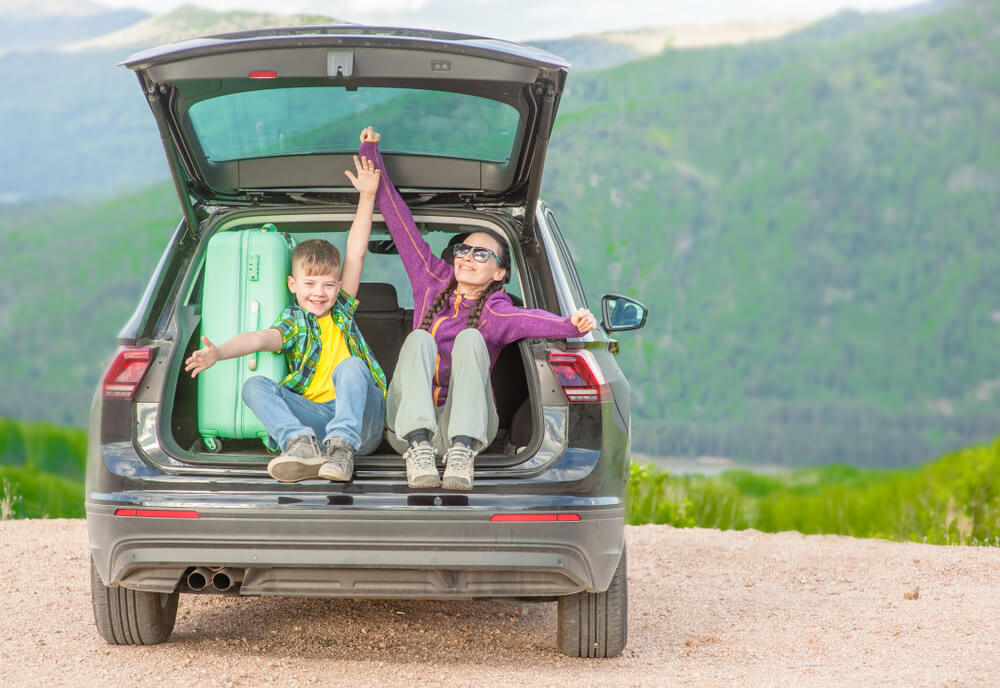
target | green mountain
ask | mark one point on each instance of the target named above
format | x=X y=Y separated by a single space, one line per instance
x=72 y=275
x=813 y=225
x=810 y=221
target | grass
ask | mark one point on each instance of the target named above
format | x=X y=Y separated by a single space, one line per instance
x=952 y=501
x=28 y=493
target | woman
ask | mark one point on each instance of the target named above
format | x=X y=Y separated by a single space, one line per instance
x=441 y=396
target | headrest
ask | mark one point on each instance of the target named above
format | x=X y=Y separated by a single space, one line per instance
x=377 y=296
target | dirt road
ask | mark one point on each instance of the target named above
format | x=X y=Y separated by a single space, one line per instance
x=708 y=608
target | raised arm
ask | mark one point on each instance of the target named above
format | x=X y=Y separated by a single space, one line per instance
x=424 y=269
x=366 y=182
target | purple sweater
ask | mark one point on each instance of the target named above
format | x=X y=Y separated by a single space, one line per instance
x=501 y=321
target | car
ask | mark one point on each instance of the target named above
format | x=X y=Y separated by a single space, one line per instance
x=257 y=128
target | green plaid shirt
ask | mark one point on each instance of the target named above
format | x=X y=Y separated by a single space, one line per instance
x=300 y=342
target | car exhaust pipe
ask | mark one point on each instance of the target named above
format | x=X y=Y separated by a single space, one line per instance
x=198 y=579
x=225 y=578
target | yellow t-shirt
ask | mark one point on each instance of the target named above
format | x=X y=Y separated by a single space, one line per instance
x=333 y=350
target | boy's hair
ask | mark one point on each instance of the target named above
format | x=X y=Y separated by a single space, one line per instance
x=316 y=257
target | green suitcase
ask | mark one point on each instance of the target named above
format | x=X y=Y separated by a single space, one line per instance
x=244 y=288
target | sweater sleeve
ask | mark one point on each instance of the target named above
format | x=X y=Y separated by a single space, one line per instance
x=511 y=323
x=424 y=269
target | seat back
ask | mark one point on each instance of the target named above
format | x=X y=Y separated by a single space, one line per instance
x=382 y=322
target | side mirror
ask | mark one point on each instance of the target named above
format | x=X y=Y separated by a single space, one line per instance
x=621 y=313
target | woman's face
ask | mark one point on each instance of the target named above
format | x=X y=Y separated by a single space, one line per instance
x=472 y=274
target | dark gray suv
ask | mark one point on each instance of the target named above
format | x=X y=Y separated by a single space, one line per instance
x=258 y=128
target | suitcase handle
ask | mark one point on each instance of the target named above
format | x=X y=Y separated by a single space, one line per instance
x=255 y=319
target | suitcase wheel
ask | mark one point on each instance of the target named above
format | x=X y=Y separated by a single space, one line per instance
x=212 y=444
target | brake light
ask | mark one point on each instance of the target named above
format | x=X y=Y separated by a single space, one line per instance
x=507 y=518
x=157 y=513
x=580 y=376
x=125 y=372
x=263 y=74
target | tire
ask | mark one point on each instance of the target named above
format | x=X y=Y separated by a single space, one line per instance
x=595 y=624
x=131 y=617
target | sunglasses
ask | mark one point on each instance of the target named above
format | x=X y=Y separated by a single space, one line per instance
x=480 y=254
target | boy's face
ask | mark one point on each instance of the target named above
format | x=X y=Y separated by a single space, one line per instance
x=314 y=292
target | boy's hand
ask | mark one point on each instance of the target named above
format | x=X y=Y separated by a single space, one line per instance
x=584 y=320
x=202 y=359
x=369 y=134
x=368 y=177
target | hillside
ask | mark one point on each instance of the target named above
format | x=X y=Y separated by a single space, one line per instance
x=72 y=276
x=612 y=48
x=188 y=21
x=40 y=31
x=813 y=224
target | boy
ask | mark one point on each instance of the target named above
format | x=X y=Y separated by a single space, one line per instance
x=335 y=389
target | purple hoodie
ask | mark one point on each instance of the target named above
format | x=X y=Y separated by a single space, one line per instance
x=501 y=321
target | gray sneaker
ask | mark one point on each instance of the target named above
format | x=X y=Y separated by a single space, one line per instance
x=421 y=472
x=339 y=463
x=300 y=460
x=458 y=467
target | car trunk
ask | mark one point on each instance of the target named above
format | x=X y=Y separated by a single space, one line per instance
x=385 y=316
x=263 y=115
x=257 y=127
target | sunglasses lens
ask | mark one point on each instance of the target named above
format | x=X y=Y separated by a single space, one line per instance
x=479 y=254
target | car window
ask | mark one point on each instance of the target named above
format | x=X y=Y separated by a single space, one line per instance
x=566 y=258
x=303 y=120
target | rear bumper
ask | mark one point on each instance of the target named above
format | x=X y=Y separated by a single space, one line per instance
x=439 y=552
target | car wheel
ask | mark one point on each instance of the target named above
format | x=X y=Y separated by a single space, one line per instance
x=131 y=617
x=595 y=624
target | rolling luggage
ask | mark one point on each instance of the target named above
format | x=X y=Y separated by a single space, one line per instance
x=244 y=288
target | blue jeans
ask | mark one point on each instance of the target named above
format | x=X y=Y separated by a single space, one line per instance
x=357 y=414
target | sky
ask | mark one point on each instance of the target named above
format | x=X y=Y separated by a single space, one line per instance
x=534 y=19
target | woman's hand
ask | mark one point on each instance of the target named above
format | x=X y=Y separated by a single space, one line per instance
x=366 y=182
x=584 y=320
x=202 y=359
x=369 y=134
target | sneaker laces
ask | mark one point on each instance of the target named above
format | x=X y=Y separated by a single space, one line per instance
x=340 y=453
x=307 y=440
x=459 y=457
x=422 y=456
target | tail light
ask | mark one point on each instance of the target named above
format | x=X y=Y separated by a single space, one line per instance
x=580 y=376
x=157 y=513
x=125 y=373
x=522 y=518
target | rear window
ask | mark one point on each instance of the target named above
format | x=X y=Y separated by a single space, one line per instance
x=328 y=119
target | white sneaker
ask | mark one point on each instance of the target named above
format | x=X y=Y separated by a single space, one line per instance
x=421 y=472
x=458 y=467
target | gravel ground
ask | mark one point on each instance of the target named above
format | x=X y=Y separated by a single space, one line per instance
x=707 y=608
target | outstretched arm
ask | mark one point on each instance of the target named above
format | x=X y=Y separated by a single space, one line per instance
x=366 y=182
x=240 y=345
x=515 y=323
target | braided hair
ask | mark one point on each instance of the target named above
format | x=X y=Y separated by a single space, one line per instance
x=477 y=310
